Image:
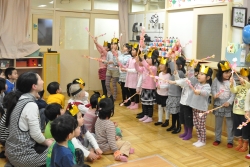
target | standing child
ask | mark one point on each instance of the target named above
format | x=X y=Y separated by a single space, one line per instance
x=112 y=67
x=186 y=112
x=239 y=109
x=106 y=135
x=56 y=95
x=148 y=93
x=11 y=77
x=198 y=100
x=132 y=78
x=123 y=62
x=103 y=50
x=162 y=90
x=247 y=115
x=174 y=95
x=223 y=96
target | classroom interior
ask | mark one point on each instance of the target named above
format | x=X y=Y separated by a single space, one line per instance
x=204 y=28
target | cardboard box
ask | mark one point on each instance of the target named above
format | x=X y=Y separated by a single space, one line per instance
x=21 y=63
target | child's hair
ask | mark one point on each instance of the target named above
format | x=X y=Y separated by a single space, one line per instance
x=219 y=74
x=2 y=84
x=109 y=46
x=154 y=57
x=128 y=47
x=1 y=70
x=74 y=90
x=53 y=87
x=62 y=126
x=52 y=111
x=105 y=108
x=94 y=99
x=24 y=85
x=41 y=93
x=9 y=71
x=180 y=62
x=197 y=68
x=75 y=81
x=209 y=73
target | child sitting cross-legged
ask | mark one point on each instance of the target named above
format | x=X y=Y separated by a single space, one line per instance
x=63 y=129
x=106 y=134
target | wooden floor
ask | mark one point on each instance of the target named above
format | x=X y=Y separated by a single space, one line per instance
x=148 y=139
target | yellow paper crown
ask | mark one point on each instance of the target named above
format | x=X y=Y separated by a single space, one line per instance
x=226 y=66
x=204 y=69
x=81 y=82
x=100 y=98
x=163 y=60
x=191 y=64
x=150 y=52
x=114 y=40
x=244 y=72
x=105 y=44
x=135 y=45
x=74 y=110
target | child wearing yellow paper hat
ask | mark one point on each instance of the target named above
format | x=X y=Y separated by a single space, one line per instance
x=148 y=93
x=162 y=89
x=112 y=67
x=198 y=100
x=223 y=96
x=103 y=50
x=132 y=78
x=239 y=109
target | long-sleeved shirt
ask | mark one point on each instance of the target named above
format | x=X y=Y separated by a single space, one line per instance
x=163 y=91
x=132 y=75
x=225 y=96
x=240 y=96
x=123 y=60
x=174 y=90
x=90 y=138
x=105 y=135
x=56 y=98
x=247 y=102
x=147 y=81
x=200 y=102
x=112 y=58
x=103 y=52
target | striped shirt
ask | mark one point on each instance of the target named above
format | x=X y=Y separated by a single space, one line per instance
x=105 y=135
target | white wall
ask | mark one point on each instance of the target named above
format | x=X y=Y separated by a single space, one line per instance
x=154 y=31
x=180 y=24
x=106 y=5
x=134 y=18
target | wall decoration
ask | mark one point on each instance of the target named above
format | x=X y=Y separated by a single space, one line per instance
x=239 y=17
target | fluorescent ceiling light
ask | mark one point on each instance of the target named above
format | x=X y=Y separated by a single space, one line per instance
x=41 y=6
x=51 y=2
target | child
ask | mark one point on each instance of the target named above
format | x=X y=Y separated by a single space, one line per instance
x=132 y=78
x=62 y=130
x=90 y=116
x=186 y=112
x=112 y=67
x=11 y=77
x=174 y=94
x=103 y=50
x=82 y=85
x=41 y=103
x=123 y=62
x=198 y=100
x=223 y=96
x=77 y=96
x=52 y=111
x=105 y=132
x=239 y=109
x=162 y=91
x=56 y=95
x=148 y=93
x=85 y=141
x=3 y=87
x=247 y=115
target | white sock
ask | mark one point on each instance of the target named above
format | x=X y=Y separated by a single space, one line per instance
x=196 y=142
x=160 y=112
x=200 y=144
x=167 y=113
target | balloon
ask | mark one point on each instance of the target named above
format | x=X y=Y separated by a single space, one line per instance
x=246 y=34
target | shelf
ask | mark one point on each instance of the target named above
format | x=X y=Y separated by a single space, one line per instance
x=40 y=57
x=28 y=67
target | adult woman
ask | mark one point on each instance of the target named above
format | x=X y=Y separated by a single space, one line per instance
x=26 y=146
